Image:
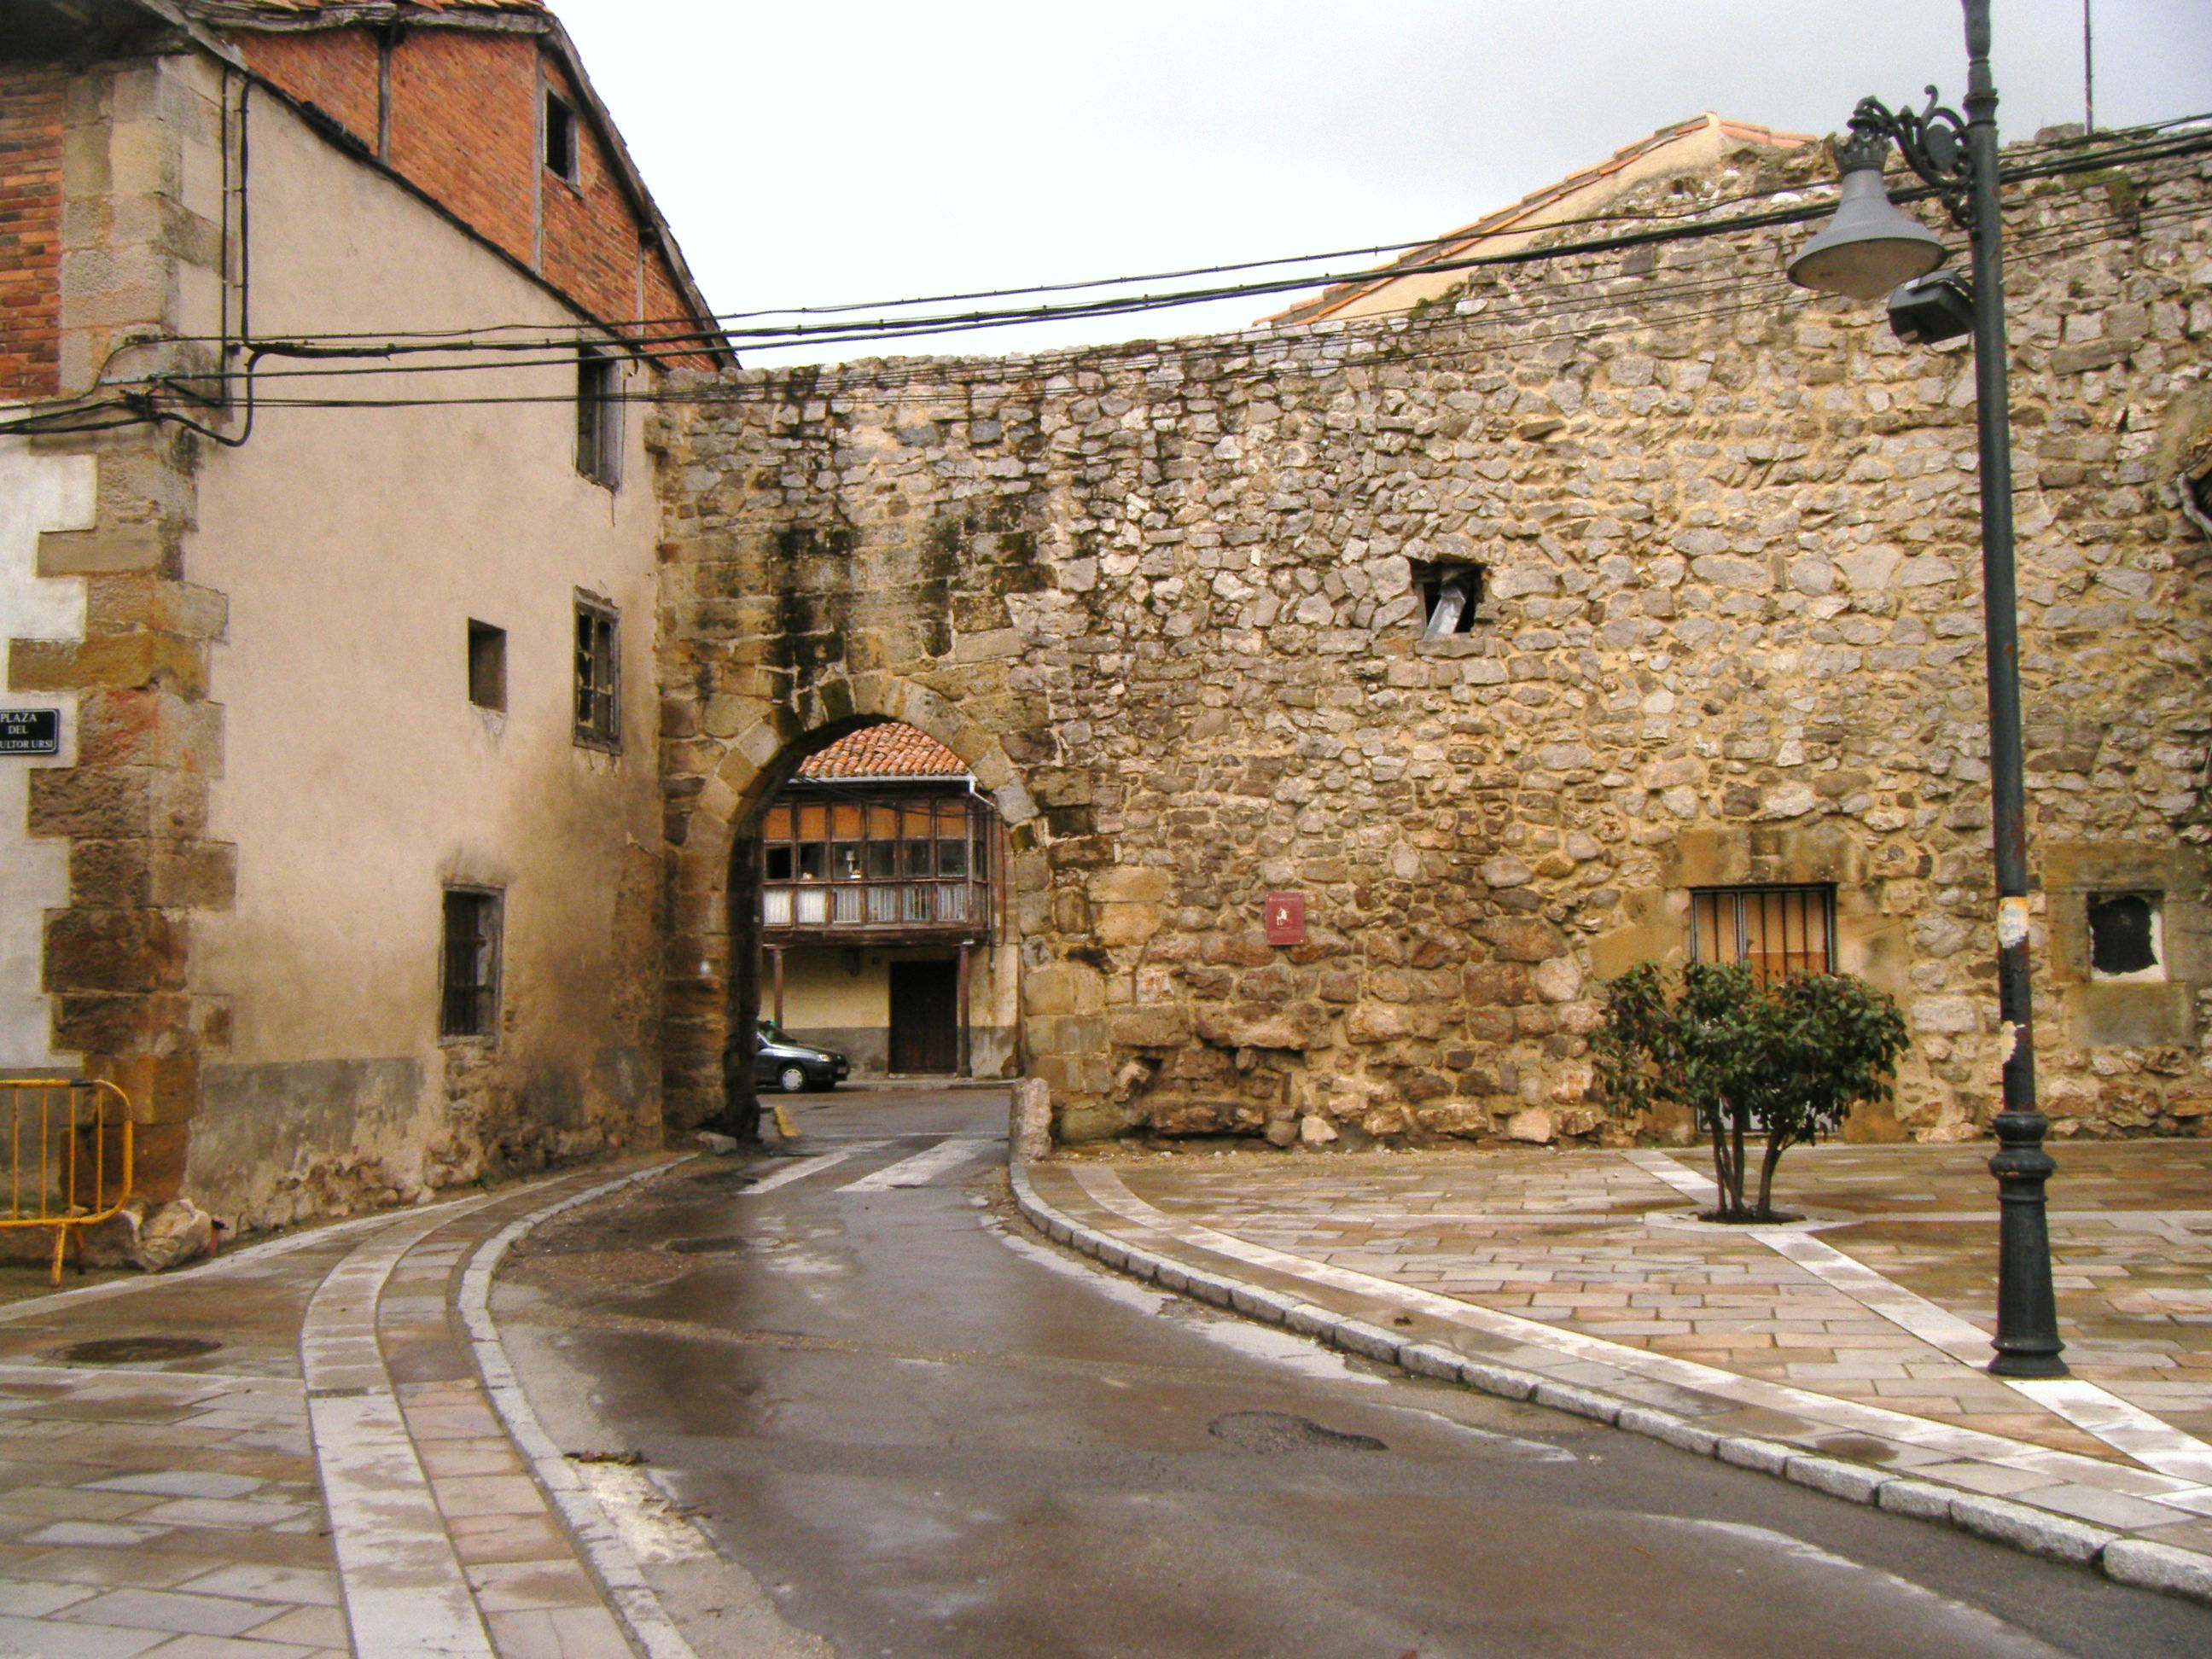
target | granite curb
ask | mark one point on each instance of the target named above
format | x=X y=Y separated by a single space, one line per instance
x=2138 y=1563
x=630 y=1594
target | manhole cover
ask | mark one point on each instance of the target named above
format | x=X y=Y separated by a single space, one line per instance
x=728 y=1244
x=134 y=1350
x=1280 y=1432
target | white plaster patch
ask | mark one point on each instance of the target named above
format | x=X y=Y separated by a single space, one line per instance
x=38 y=493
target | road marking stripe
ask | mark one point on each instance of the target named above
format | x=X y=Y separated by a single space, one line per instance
x=916 y=1171
x=2121 y=1425
x=802 y=1168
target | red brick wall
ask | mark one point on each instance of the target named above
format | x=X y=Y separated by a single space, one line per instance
x=30 y=230
x=590 y=236
x=334 y=69
x=464 y=126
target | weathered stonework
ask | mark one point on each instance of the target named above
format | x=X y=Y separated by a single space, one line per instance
x=1164 y=601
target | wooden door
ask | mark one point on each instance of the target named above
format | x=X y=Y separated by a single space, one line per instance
x=925 y=1017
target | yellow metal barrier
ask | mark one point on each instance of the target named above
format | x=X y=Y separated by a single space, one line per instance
x=69 y=1156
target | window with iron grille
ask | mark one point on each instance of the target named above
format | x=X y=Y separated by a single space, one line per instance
x=599 y=674
x=598 y=418
x=469 y=976
x=1778 y=931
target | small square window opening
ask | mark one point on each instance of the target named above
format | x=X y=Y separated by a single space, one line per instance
x=599 y=675
x=1779 y=930
x=2127 y=937
x=560 y=137
x=469 y=971
x=598 y=418
x=1449 y=594
x=488 y=665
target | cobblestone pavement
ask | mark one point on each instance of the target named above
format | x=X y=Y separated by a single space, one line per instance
x=1860 y=1331
x=315 y=1471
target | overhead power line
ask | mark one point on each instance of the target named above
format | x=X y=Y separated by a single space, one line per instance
x=2057 y=158
x=327 y=356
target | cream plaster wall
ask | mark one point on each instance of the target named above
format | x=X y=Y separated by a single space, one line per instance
x=38 y=493
x=355 y=545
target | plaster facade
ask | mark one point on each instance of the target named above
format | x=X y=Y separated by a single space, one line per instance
x=358 y=780
x=37 y=494
x=234 y=886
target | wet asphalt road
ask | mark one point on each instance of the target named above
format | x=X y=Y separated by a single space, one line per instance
x=912 y=1431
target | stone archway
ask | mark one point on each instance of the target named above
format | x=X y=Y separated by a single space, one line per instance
x=713 y=986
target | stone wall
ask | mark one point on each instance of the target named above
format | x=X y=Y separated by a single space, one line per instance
x=1165 y=601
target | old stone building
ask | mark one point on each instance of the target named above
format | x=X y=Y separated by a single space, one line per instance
x=1175 y=607
x=1354 y=696
x=346 y=861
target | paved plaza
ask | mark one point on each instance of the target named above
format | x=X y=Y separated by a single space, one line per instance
x=1859 y=1332
x=289 y=1453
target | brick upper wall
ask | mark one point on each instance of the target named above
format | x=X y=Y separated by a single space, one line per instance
x=333 y=69
x=30 y=229
x=590 y=236
x=464 y=127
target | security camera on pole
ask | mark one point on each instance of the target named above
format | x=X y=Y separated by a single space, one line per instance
x=1870 y=250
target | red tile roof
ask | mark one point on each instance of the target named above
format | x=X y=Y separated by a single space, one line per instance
x=1527 y=215
x=890 y=750
x=351 y=11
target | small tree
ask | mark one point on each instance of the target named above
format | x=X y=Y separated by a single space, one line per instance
x=1788 y=1059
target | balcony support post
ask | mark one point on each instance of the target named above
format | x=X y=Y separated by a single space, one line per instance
x=967 y=1051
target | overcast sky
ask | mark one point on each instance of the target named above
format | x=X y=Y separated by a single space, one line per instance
x=819 y=154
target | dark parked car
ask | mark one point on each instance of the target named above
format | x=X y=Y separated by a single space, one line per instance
x=781 y=1063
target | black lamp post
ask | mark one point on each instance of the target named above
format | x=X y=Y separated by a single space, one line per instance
x=1867 y=250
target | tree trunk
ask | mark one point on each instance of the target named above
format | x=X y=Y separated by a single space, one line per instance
x=1734 y=1207
x=1776 y=1145
x=1722 y=1180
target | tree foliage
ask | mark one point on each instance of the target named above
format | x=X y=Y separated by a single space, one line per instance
x=1787 y=1060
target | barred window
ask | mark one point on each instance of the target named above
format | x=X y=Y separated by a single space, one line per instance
x=469 y=976
x=599 y=674
x=1779 y=930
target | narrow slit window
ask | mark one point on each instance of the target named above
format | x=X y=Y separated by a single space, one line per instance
x=599 y=675
x=469 y=976
x=1778 y=930
x=488 y=667
x=560 y=137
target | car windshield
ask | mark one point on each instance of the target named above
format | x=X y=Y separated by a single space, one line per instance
x=771 y=1032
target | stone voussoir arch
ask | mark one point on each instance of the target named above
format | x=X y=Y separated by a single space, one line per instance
x=769 y=741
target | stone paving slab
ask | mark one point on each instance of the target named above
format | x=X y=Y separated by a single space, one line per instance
x=1857 y=1336
x=329 y=1479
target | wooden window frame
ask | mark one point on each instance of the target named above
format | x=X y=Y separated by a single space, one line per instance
x=598 y=642
x=598 y=418
x=560 y=144
x=1728 y=906
x=468 y=1007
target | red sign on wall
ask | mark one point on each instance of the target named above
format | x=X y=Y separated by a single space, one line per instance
x=1286 y=918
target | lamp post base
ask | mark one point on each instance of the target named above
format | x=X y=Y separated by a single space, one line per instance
x=2027 y=1342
